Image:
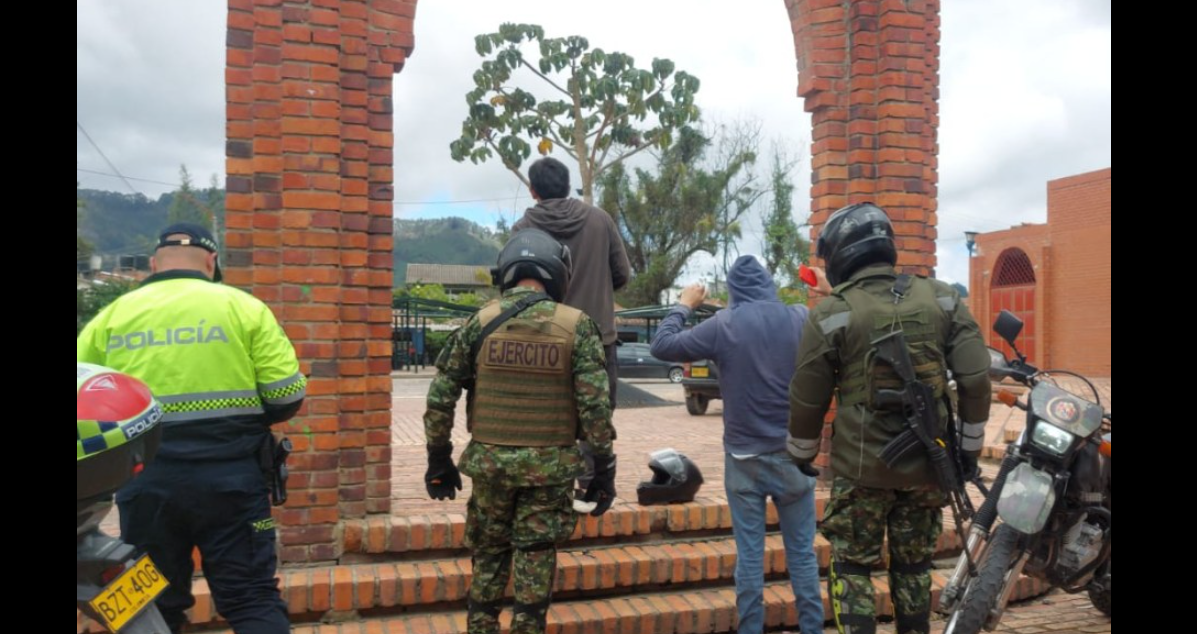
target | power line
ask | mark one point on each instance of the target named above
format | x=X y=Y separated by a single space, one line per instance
x=461 y=202
x=994 y=223
x=105 y=157
x=396 y=203
x=132 y=178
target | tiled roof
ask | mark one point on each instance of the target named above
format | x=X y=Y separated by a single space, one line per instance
x=448 y=275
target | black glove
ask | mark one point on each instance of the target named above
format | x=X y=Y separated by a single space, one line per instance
x=969 y=470
x=602 y=488
x=808 y=469
x=443 y=479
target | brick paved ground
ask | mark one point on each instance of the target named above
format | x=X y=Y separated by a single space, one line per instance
x=641 y=431
x=1058 y=613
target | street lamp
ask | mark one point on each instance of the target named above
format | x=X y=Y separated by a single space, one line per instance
x=970 y=240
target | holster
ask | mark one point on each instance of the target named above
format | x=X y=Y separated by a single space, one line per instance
x=272 y=458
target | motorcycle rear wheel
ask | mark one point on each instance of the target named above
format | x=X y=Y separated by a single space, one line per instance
x=982 y=593
x=1101 y=594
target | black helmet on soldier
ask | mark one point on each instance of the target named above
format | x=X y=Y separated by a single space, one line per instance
x=675 y=479
x=855 y=237
x=533 y=254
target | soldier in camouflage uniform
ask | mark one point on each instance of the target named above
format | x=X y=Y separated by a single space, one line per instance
x=869 y=499
x=536 y=374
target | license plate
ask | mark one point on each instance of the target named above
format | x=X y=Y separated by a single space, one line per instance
x=700 y=373
x=129 y=594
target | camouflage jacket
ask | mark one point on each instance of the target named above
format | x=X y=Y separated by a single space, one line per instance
x=837 y=337
x=524 y=466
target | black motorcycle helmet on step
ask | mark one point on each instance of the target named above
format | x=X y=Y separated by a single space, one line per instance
x=533 y=254
x=855 y=237
x=675 y=479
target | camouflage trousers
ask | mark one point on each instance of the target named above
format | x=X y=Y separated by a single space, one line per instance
x=516 y=527
x=856 y=523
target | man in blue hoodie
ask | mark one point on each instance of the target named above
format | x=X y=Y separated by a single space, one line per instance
x=755 y=343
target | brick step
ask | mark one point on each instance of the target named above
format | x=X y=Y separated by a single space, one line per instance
x=437 y=585
x=707 y=611
x=422 y=536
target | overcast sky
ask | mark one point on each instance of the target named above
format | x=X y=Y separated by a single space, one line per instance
x=1026 y=96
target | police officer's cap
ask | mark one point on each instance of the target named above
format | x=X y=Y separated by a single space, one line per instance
x=196 y=236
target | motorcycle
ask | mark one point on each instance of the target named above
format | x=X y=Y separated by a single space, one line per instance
x=114 y=584
x=1053 y=495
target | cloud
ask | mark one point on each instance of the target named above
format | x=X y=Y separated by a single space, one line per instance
x=1026 y=94
x=150 y=90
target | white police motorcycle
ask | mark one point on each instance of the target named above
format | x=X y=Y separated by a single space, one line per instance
x=117 y=432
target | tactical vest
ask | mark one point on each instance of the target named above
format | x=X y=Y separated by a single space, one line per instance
x=524 y=391
x=919 y=314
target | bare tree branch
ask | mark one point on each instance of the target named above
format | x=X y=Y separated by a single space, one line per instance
x=543 y=76
x=514 y=170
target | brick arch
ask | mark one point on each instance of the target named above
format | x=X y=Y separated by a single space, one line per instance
x=1014 y=268
x=1014 y=289
x=309 y=205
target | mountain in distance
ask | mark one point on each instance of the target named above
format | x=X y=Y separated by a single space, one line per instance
x=442 y=241
x=128 y=224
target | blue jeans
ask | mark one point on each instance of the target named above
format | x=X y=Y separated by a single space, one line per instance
x=750 y=483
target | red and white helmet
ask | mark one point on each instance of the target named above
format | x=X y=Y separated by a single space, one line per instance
x=111 y=409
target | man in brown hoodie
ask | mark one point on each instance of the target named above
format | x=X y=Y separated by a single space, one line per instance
x=601 y=264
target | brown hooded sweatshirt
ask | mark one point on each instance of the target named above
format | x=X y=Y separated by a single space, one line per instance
x=601 y=264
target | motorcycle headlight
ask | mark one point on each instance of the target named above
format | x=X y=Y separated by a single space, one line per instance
x=1051 y=438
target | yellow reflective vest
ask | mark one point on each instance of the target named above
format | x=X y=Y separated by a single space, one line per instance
x=215 y=356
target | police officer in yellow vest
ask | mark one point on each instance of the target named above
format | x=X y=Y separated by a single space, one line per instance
x=869 y=499
x=225 y=372
x=536 y=373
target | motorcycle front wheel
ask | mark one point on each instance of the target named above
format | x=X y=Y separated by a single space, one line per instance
x=983 y=591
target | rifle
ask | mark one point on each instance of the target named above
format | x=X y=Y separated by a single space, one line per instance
x=917 y=403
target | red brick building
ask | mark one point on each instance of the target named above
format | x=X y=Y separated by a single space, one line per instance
x=310 y=145
x=1056 y=276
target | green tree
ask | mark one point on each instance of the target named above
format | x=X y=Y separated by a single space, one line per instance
x=434 y=292
x=91 y=300
x=689 y=205
x=213 y=201
x=83 y=248
x=602 y=109
x=785 y=247
x=437 y=292
x=503 y=229
x=186 y=205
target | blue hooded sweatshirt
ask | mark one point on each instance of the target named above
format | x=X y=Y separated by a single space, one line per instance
x=755 y=343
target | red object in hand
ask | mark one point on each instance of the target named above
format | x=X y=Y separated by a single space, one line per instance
x=807 y=275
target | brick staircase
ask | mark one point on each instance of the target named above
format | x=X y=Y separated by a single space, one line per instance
x=635 y=571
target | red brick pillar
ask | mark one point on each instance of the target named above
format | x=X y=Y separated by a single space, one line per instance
x=869 y=72
x=309 y=231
